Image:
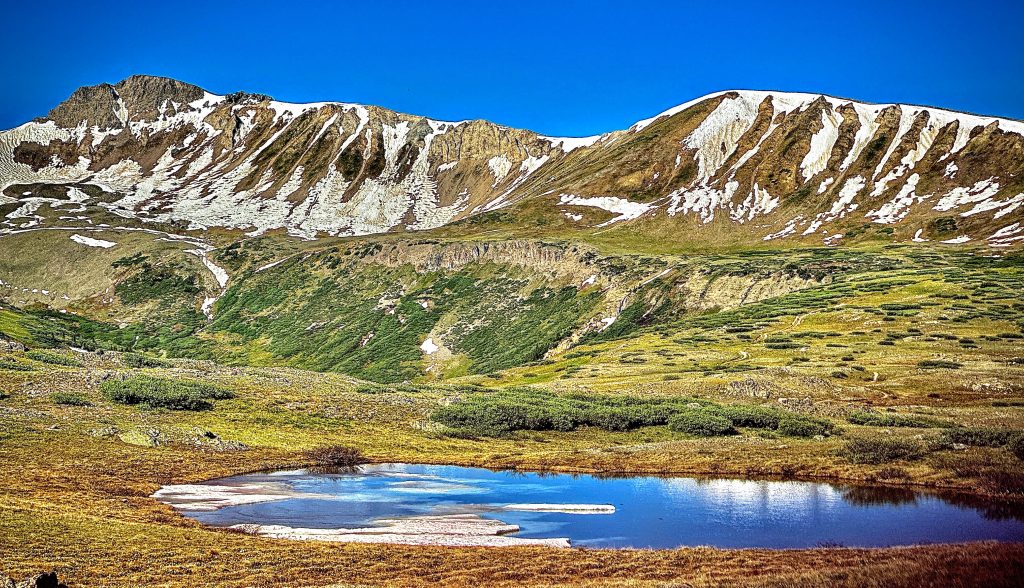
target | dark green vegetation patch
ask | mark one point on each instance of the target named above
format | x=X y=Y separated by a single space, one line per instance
x=882 y=450
x=52 y=358
x=883 y=419
x=331 y=313
x=9 y=363
x=138 y=360
x=980 y=436
x=69 y=399
x=153 y=392
x=530 y=409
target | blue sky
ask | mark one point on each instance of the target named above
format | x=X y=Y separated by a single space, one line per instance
x=559 y=68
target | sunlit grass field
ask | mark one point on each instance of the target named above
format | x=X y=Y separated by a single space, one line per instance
x=912 y=357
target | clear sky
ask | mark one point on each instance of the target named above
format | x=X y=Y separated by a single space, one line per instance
x=559 y=68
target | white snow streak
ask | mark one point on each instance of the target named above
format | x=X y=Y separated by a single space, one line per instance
x=90 y=242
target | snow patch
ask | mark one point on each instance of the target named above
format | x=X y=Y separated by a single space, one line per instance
x=825 y=184
x=1005 y=236
x=626 y=209
x=715 y=139
x=90 y=242
x=822 y=143
x=899 y=207
x=702 y=200
x=788 y=230
x=500 y=166
x=563 y=508
x=429 y=347
x=844 y=204
x=960 y=196
x=568 y=144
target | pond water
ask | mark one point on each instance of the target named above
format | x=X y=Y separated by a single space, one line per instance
x=404 y=503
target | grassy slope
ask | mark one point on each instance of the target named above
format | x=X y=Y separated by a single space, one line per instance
x=74 y=482
x=73 y=489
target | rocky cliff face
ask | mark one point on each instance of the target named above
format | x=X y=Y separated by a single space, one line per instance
x=769 y=165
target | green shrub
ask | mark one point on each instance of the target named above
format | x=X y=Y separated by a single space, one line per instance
x=138 y=360
x=458 y=434
x=69 y=399
x=881 y=450
x=164 y=393
x=14 y=365
x=979 y=437
x=1016 y=446
x=757 y=417
x=801 y=426
x=528 y=409
x=504 y=411
x=939 y=363
x=701 y=424
x=52 y=358
x=881 y=419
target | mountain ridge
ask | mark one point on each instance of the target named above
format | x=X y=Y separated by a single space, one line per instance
x=664 y=112
x=796 y=165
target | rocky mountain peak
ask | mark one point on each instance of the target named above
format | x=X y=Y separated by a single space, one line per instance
x=138 y=97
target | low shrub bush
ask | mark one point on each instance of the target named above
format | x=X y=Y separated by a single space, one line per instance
x=979 y=437
x=745 y=415
x=164 y=393
x=336 y=456
x=881 y=450
x=69 y=399
x=14 y=366
x=1016 y=446
x=939 y=363
x=880 y=419
x=701 y=424
x=801 y=426
x=52 y=358
x=516 y=409
x=137 y=360
x=529 y=409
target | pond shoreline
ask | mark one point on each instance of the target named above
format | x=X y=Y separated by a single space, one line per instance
x=426 y=504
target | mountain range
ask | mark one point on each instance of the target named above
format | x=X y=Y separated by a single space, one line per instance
x=759 y=165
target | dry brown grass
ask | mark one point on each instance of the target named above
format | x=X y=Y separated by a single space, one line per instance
x=80 y=505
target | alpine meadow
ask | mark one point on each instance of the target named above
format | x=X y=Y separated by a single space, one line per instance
x=763 y=338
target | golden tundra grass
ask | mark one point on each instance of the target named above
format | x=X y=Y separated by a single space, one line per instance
x=78 y=503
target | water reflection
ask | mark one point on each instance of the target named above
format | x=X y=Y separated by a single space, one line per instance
x=619 y=511
x=875 y=495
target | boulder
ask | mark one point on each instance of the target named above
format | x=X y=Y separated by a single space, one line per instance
x=44 y=580
x=8 y=345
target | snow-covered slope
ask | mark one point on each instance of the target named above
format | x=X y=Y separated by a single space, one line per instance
x=777 y=165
